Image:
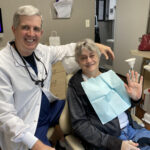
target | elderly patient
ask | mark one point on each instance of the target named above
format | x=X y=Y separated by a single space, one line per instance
x=98 y=132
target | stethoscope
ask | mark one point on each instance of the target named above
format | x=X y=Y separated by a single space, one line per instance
x=37 y=82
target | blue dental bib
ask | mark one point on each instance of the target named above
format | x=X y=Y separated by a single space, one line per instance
x=107 y=95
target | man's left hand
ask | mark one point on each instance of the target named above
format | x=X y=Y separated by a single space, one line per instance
x=106 y=51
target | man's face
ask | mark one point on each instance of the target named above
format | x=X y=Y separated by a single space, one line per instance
x=27 y=34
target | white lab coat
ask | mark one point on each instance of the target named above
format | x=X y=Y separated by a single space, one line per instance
x=20 y=98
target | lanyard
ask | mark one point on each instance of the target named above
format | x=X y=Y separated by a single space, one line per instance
x=37 y=82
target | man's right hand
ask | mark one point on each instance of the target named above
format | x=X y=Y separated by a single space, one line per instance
x=40 y=146
x=129 y=145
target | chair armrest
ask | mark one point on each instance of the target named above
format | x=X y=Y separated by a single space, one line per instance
x=74 y=143
x=50 y=132
x=139 y=121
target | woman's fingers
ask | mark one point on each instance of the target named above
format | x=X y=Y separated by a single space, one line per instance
x=141 y=80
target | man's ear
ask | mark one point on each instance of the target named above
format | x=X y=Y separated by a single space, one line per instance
x=13 y=29
x=42 y=32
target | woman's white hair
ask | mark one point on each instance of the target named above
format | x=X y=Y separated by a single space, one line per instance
x=26 y=10
x=86 y=44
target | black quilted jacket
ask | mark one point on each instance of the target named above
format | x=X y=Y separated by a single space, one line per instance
x=86 y=124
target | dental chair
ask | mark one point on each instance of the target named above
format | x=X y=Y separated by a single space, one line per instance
x=65 y=125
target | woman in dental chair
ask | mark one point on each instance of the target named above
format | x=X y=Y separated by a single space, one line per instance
x=98 y=104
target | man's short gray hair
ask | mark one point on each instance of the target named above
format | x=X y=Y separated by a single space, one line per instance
x=26 y=10
x=86 y=44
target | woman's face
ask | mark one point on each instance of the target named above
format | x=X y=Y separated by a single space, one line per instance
x=89 y=62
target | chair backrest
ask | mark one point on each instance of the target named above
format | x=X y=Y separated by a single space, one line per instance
x=64 y=120
x=65 y=125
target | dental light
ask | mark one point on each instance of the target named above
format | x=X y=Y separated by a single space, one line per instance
x=131 y=62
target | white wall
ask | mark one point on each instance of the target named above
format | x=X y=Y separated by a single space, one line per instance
x=130 y=24
x=70 y=30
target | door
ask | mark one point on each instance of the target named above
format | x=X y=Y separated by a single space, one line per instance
x=130 y=23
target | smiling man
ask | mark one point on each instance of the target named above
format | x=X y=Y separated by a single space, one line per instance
x=27 y=34
x=27 y=107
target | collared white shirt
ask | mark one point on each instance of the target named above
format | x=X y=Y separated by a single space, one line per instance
x=20 y=98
